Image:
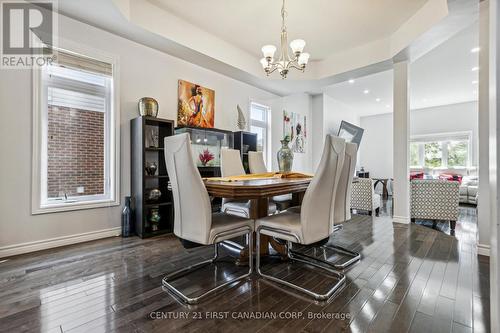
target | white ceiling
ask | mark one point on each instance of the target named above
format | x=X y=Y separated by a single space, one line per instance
x=225 y=36
x=328 y=26
x=442 y=76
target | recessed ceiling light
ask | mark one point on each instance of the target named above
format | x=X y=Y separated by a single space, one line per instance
x=475 y=69
x=378 y=100
x=351 y=81
x=387 y=106
x=474 y=82
x=366 y=91
x=424 y=100
x=475 y=50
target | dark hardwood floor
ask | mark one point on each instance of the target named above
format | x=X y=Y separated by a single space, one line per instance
x=411 y=278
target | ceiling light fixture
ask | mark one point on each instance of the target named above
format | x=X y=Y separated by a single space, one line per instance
x=366 y=91
x=475 y=50
x=475 y=69
x=387 y=106
x=474 y=82
x=285 y=62
x=351 y=81
x=378 y=100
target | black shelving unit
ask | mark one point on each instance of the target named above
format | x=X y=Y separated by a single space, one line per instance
x=245 y=142
x=147 y=136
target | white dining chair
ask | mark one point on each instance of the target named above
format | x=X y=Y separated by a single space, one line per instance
x=342 y=213
x=231 y=165
x=315 y=220
x=193 y=220
x=256 y=164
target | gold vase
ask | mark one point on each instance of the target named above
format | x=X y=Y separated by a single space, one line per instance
x=148 y=107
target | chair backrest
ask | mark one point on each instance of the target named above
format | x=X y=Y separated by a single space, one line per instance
x=434 y=199
x=317 y=209
x=193 y=212
x=230 y=163
x=362 y=194
x=256 y=162
x=344 y=188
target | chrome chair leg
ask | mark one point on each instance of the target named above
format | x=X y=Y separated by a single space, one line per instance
x=168 y=279
x=321 y=297
x=354 y=256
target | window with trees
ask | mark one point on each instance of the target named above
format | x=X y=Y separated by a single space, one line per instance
x=440 y=151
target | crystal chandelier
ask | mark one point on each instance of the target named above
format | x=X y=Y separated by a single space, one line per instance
x=285 y=62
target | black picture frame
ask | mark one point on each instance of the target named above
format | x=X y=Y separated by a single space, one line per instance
x=350 y=132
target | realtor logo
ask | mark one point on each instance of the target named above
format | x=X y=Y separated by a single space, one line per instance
x=28 y=33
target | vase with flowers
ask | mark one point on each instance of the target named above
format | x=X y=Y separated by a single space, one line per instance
x=205 y=157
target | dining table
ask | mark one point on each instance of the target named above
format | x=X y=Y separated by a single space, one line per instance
x=259 y=191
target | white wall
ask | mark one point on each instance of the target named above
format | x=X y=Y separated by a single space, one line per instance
x=144 y=72
x=376 y=147
x=302 y=104
x=328 y=113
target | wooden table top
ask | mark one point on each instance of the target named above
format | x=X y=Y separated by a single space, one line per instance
x=256 y=188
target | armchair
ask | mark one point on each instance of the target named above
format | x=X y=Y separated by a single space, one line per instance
x=364 y=196
x=435 y=200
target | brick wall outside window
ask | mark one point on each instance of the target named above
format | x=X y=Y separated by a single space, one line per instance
x=75 y=152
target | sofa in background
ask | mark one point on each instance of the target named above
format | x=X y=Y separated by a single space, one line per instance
x=468 y=190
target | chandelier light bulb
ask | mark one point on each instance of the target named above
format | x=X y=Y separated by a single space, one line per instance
x=268 y=51
x=264 y=63
x=303 y=59
x=297 y=45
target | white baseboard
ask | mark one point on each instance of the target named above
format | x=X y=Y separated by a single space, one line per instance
x=483 y=250
x=401 y=219
x=12 y=250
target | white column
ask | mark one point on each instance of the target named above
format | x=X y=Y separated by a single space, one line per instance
x=401 y=121
x=483 y=223
x=494 y=164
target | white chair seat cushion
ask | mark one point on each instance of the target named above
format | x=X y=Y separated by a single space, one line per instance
x=242 y=208
x=224 y=222
x=282 y=198
x=238 y=208
x=286 y=221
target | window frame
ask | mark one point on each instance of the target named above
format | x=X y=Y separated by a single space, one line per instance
x=266 y=125
x=444 y=139
x=112 y=138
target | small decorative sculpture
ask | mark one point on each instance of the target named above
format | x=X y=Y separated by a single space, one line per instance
x=151 y=168
x=242 y=123
x=205 y=157
x=154 y=194
x=155 y=218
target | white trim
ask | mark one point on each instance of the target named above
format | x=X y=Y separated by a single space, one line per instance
x=12 y=250
x=113 y=169
x=483 y=250
x=401 y=219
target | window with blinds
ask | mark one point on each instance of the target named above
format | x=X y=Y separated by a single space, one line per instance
x=76 y=124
